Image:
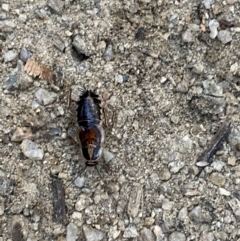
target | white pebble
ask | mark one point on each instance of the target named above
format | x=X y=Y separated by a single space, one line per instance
x=31 y=150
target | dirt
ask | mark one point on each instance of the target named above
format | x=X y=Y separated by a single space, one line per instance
x=171 y=87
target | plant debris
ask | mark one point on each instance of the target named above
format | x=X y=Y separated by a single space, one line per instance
x=35 y=69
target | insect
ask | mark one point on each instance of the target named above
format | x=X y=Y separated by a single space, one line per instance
x=90 y=133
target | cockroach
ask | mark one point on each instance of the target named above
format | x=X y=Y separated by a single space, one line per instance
x=90 y=133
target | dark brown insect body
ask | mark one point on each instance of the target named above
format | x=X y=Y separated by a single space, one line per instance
x=90 y=133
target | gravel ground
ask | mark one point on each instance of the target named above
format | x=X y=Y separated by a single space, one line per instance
x=173 y=70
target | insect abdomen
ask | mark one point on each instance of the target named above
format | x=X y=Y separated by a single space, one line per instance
x=89 y=110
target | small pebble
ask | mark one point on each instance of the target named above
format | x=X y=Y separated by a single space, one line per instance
x=45 y=97
x=224 y=192
x=5 y=7
x=177 y=236
x=108 y=54
x=198 y=68
x=22 y=133
x=56 y=5
x=131 y=232
x=213 y=25
x=119 y=78
x=218 y=165
x=2 y=206
x=164 y=174
x=10 y=55
x=83 y=66
x=211 y=88
x=224 y=36
x=82 y=202
x=167 y=204
x=183 y=214
x=60 y=110
x=76 y=92
x=232 y=161
x=5 y=111
x=31 y=150
x=92 y=234
x=25 y=54
x=217 y=179
x=158 y=233
x=187 y=36
x=147 y=234
x=58 y=43
x=22 y=18
x=77 y=215
x=72 y=231
x=133 y=8
x=175 y=167
x=195 y=214
x=149 y=221
x=207 y=4
x=79 y=182
x=107 y=156
x=81 y=45
x=41 y=13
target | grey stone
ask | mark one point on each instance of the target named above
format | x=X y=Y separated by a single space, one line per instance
x=198 y=216
x=211 y=88
x=195 y=214
x=5 y=7
x=218 y=165
x=207 y=4
x=31 y=150
x=167 y=204
x=25 y=54
x=224 y=36
x=83 y=66
x=213 y=25
x=79 y=182
x=164 y=174
x=92 y=234
x=175 y=167
x=232 y=160
x=217 y=179
x=177 y=236
x=45 y=97
x=107 y=155
x=187 y=36
x=147 y=234
x=183 y=214
x=10 y=55
x=131 y=232
x=224 y=192
x=198 y=68
x=58 y=43
x=72 y=231
x=56 y=5
x=2 y=206
x=82 y=46
x=82 y=202
x=5 y=111
x=108 y=54
x=158 y=233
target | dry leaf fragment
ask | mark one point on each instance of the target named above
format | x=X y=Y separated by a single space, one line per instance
x=35 y=69
x=22 y=133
